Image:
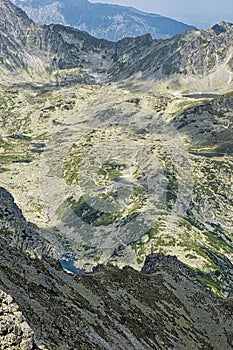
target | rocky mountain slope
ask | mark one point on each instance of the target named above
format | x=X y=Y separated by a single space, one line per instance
x=111 y=22
x=61 y=55
x=119 y=150
x=17 y=231
x=15 y=333
x=162 y=307
x=113 y=177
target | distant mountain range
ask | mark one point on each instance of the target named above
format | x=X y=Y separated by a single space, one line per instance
x=63 y=54
x=111 y=22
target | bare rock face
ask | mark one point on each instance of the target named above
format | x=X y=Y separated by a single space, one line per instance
x=19 y=233
x=15 y=333
x=13 y=18
x=157 y=261
x=166 y=309
x=164 y=306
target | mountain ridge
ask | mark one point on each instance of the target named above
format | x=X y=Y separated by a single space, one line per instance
x=63 y=54
x=112 y=22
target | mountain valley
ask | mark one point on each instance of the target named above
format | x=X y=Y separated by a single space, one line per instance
x=120 y=154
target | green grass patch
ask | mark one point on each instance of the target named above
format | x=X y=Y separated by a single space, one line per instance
x=208 y=282
x=85 y=212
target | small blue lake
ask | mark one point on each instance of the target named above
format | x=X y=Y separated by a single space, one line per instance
x=68 y=263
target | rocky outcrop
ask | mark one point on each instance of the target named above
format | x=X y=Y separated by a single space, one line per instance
x=166 y=309
x=190 y=54
x=209 y=124
x=13 y=18
x=19 y=233
x=157 y=261
x=15 y=333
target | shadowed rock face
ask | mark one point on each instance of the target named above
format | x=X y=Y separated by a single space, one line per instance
x=111 y=22
x=157 y=261
x=163 y=307
x=17 y=232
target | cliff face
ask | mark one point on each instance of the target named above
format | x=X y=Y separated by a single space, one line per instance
x=199 y=60
x=13 y=19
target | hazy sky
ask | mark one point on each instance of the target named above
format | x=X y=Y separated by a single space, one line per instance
x=202 y=13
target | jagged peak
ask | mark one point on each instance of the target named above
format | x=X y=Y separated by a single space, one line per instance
x=13 y=18
x=145 y=38
x=221 y=27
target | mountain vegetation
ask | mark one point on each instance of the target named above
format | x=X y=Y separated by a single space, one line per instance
x=119 y=155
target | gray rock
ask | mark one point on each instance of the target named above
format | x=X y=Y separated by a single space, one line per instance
x=15 y=333
x=163 y=306
x=19 y=233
